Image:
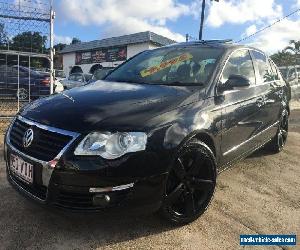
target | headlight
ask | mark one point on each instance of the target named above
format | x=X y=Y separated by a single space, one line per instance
x=111 y=145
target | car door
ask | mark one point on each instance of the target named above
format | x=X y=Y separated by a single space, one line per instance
x=239 y=108
x=270 y=88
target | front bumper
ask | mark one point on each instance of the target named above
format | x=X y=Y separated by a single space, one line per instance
x=87 y=184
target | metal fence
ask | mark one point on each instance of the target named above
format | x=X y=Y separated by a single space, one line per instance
x=26 y=54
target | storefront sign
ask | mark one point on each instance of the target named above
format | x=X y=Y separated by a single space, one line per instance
x=103 y=55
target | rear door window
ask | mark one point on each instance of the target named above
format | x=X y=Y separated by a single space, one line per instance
x=264 y=67
x=274 y=71
x=239 y=63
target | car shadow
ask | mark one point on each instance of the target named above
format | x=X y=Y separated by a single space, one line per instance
x=33 y=224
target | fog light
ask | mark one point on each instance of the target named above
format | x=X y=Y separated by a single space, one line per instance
x=107 y=198
x=101 y=200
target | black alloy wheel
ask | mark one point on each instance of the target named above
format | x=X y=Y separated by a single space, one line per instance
x=191 y=183
x=283 y=130
x=277 y=144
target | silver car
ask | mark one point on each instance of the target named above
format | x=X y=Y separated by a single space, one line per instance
x=76 y=80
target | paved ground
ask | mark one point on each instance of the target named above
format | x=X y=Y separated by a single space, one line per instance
x=258 y=195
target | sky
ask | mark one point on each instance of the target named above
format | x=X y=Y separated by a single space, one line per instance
x=227 y=19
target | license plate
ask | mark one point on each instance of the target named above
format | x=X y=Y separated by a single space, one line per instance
x=21 y=168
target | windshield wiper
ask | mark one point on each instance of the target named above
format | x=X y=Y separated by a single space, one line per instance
x=123 y=80
x=178 y=83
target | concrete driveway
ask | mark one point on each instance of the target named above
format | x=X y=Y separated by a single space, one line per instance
x=259 y=195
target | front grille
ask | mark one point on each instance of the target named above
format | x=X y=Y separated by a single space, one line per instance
x=35 y=189
x=46 y=145
x=75 y=200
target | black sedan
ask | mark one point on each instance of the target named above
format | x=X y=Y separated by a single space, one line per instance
x=154 y=134
x=23 y=83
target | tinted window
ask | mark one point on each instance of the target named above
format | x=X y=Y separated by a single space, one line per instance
x=170 y=65
x=264 y=67
x=239 y=63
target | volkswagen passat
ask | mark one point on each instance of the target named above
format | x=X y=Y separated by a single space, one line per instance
x=154 y=134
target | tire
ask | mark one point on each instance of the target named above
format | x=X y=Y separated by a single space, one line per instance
x=278 y=142
x=22 y=94
x=190 y=184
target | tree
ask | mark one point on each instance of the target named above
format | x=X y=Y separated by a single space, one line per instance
x=294 y=47
x=3 y=36
x=30 y=42
x=59 y=46
x=75 y=40
x=283 y=58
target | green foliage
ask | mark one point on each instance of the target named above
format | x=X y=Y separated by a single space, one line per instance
x=294 y=47
x=29 y=42
x=59 y=46
x=288 y=56
x=75 y=40
x=3 y=36
x=283 y=58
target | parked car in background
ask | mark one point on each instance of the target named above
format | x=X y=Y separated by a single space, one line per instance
x=76 y=80
x=60 y=75
x=291 y=74
x=154 y=134
x=23 y=82
x=100 y=74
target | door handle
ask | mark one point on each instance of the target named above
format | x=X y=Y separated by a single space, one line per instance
x=280 y=94
x=260 y=102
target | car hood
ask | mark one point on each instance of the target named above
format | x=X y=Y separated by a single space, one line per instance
x=108 y=105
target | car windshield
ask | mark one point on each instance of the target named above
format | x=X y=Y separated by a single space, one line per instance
x=100 y=74
x=169 y=66
x=75 y=77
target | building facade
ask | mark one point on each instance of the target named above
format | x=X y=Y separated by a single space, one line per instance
x=87 y=57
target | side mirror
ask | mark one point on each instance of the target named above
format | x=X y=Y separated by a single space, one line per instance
x=235 y=81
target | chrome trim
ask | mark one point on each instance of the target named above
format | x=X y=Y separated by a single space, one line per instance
x=250 y=139
x=46 y=127
x=111 y=189
x=47 y=169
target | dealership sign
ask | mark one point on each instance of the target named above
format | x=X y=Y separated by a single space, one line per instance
x=102 y=55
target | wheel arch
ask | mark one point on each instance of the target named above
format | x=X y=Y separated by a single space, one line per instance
x=207 y=139
x=204 y=137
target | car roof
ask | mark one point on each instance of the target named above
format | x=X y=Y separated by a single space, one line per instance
x=225 y=44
